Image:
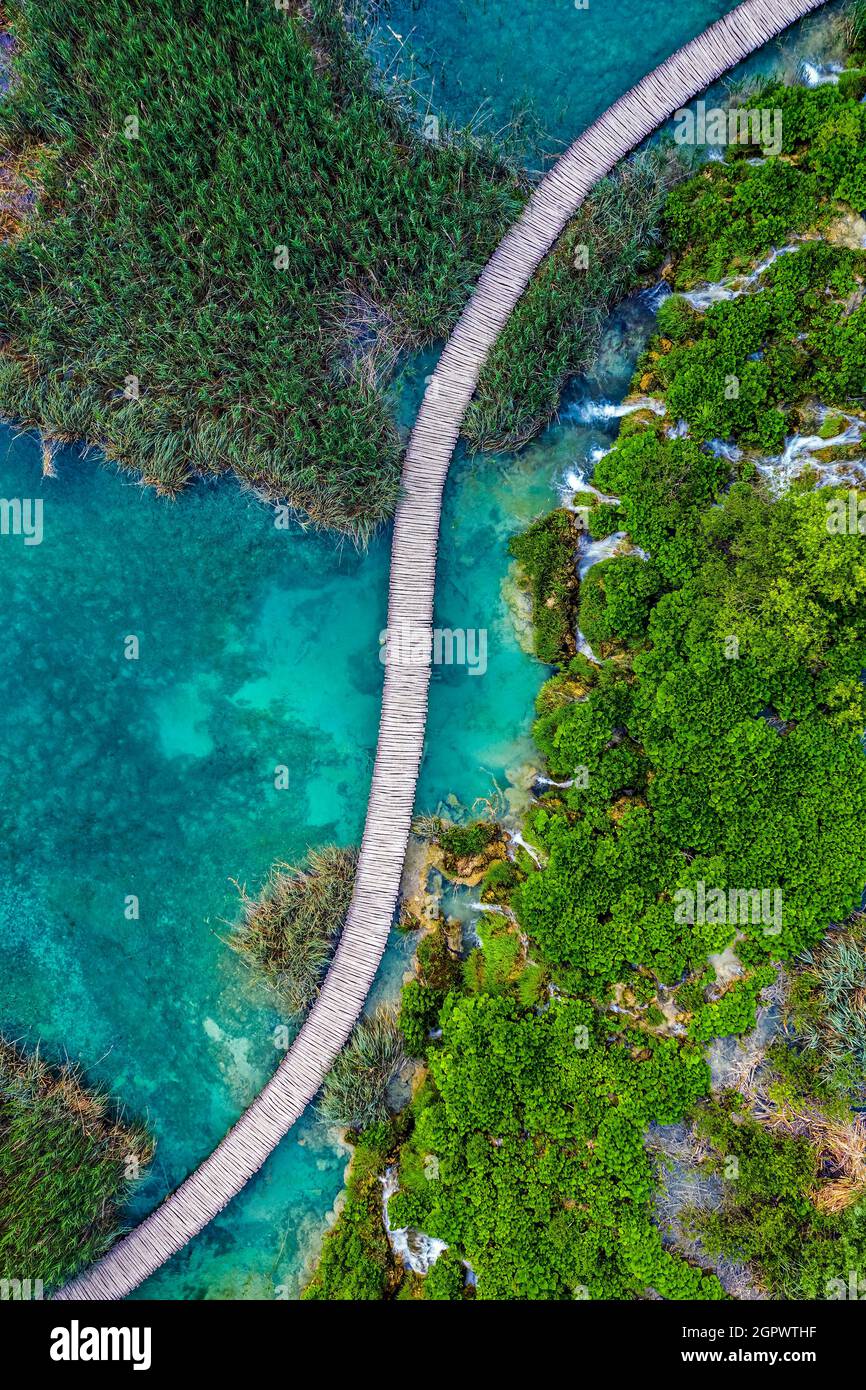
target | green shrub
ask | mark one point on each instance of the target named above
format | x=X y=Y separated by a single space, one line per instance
x=734 y=1011
x=500 y=878
x=604 y=520
x=467 y=841
x=446 y=1280
x=437 y=971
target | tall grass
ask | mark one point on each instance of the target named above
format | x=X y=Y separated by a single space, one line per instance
x=854 y=22
x=829 y=1005
x=555 y=330
x=289 y=932
x=355 y=1094
x=66 y=1162
x=157 y=257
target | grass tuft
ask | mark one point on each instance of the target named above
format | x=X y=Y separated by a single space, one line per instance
x=355 y=1093
x=290 y=930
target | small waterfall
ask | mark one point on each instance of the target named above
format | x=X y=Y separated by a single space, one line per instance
x=706 y=295
x=576 y=481
x=818 y=74
x=418 y=1251
x=516 y=837
x=594 y=552
x=799 y=448
x=723 y=449
x=584 y=649
x=589 y=411
x=595 y=456
x=656 y=295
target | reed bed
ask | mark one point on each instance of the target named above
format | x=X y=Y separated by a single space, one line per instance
x=355 y=1094
x=227 y=184
x=66 y=1164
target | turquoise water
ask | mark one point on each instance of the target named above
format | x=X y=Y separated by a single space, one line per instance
x=487 y=61
x=258 y=648
x=540 y=71
x=154 y=777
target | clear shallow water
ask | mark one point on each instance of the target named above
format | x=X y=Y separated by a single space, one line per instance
x=258 y=647
x=154 y=777
x=490 y=59
x=545 y=69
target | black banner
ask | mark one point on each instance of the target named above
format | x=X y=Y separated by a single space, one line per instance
x=147 y=1338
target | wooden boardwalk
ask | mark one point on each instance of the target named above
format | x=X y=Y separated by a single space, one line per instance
x=404 y=699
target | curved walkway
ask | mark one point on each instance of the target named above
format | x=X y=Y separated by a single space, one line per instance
x=404 y=698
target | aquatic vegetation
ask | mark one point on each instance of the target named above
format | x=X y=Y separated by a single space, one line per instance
x=197 y=214
x=500 y=878
x=66 y=1167
x=290 y=930
x=855 y=27
x=355 y=1094
x=644 y=1261
x=467 y=850
x=21 y=180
